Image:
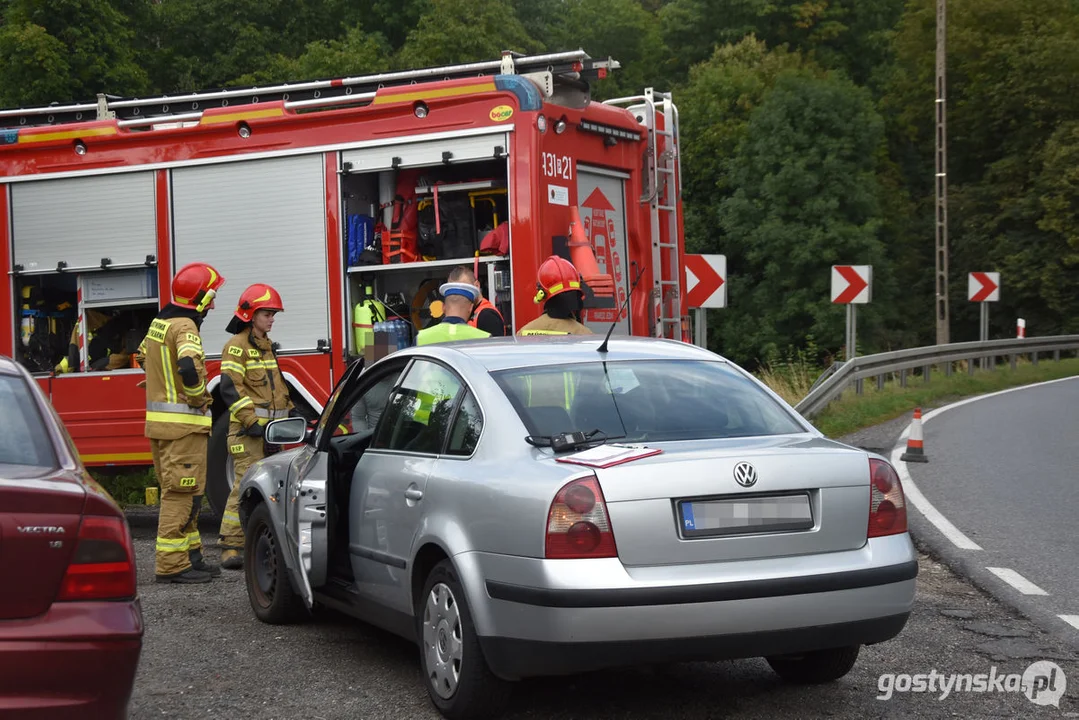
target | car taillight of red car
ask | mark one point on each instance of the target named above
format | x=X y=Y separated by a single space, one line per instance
x=103 y=565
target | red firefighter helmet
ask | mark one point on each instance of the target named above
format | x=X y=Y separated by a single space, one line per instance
x=258 y=297
x=556 y=276
x=195 y=286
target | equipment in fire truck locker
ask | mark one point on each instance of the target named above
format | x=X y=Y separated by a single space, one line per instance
x=117 y=307
x=405 y=230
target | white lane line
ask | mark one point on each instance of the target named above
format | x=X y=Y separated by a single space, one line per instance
x=912 y=493
x=917 y=499
x=1017 y=581
x=1072 y=620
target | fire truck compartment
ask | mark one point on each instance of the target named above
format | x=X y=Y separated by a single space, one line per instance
x=402 y=238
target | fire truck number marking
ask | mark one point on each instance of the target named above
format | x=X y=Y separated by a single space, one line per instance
x=559 y=166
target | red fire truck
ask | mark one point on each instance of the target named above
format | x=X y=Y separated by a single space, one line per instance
x=332 y=191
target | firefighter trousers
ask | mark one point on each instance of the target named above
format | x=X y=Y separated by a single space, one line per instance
x=181 y=470
x=244 y=450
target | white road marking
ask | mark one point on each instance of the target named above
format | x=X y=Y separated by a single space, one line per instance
x=914 y=495
x=911 y=491
x=1017 y=581
x=1072 y=620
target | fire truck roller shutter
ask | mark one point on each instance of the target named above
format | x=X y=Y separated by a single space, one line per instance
x=81 y=220
x=259 y=221
x=470 y=148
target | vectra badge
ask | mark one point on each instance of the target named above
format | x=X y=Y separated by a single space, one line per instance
x=40 y=529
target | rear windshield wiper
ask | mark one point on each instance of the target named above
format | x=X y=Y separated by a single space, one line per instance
x=575 y=440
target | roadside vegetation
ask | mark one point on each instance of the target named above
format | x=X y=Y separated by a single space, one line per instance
x=853 y=412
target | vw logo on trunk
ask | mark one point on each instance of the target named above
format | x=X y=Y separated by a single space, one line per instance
x=745 y=474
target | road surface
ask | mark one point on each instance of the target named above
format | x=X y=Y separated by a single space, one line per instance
x=1004 y=471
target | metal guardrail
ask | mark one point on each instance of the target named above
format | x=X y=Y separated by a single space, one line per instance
x=839 y=377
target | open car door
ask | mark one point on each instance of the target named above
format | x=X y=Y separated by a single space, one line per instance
x=308 y=496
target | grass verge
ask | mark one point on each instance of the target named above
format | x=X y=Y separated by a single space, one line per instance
x=853 y=412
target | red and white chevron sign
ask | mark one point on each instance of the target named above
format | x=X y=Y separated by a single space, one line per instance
x=852 y=284
x=983 y=287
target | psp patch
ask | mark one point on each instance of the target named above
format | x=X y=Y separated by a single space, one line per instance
x=236 y=449
x=188 y=482
x=238 y=352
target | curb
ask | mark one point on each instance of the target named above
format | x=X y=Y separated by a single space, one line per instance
x=145 y=516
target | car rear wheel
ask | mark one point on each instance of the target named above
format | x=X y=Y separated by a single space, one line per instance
x=268 y=587
x=819 y=666
x=458 y=680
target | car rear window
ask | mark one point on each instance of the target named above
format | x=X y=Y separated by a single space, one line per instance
x=656 y=400
x=24 y=439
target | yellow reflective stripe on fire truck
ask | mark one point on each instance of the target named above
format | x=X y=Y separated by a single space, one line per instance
x=170 y=378
x=25 y=137
x=171 y=545
x=247 y=115
x=180 y=418
x=233 y=366
x=384 y=98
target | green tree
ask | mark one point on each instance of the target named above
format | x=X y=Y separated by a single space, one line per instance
x=806 y=198
x=459 y=31
x=358 y=53
x=85 y=47
x=621 y=29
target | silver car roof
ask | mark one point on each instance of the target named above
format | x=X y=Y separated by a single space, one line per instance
x=516 y=351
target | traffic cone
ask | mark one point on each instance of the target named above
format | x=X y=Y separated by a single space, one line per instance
x=915 y=449
x=584 y=259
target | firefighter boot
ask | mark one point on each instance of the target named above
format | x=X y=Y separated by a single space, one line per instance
x=232 y=559
x=200 y=564
x=191 y=576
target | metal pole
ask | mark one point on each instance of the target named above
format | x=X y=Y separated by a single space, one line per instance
x=941 y=254
x=849 y=341
x=700 y=329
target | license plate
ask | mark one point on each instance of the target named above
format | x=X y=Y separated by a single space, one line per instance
x=738 y=516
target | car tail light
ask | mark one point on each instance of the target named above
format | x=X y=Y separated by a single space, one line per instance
x=887 y=506
x=578 y=525
x=103 y=567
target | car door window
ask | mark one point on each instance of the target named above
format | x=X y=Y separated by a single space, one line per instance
x=419 y=411
x=24 y=439
x=364 y=414
x=467 y=427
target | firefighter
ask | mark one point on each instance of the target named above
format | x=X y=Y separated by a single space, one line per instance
x=178 y=421
x=104 y=345
x=460 y=298
x=254 y=392
x=485 y=315
x=558 y=287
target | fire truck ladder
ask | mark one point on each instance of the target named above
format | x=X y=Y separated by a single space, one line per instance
x=569 y=70
x=661 y=190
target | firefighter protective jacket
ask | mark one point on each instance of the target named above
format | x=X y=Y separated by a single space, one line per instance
x=252 y=386
x=547 y=325
x=177 y=403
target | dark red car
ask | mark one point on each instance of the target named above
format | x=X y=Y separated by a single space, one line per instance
x=70 y=620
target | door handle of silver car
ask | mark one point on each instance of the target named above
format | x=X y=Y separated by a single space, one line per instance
x=414 y=493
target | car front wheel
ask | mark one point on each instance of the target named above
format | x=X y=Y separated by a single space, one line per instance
x=268 y=587
x=819 y=666
x=459 y=682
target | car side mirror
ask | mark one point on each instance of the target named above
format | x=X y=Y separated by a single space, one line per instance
x=286 y=431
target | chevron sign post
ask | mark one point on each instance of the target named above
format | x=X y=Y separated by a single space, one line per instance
x=852 y=285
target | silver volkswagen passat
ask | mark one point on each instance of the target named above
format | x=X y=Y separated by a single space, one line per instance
x=539 y=506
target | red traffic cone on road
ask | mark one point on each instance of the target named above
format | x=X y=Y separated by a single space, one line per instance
x=915 y=447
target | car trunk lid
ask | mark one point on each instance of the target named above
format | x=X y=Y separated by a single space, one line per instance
x=800 y=496
x=40 y=511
